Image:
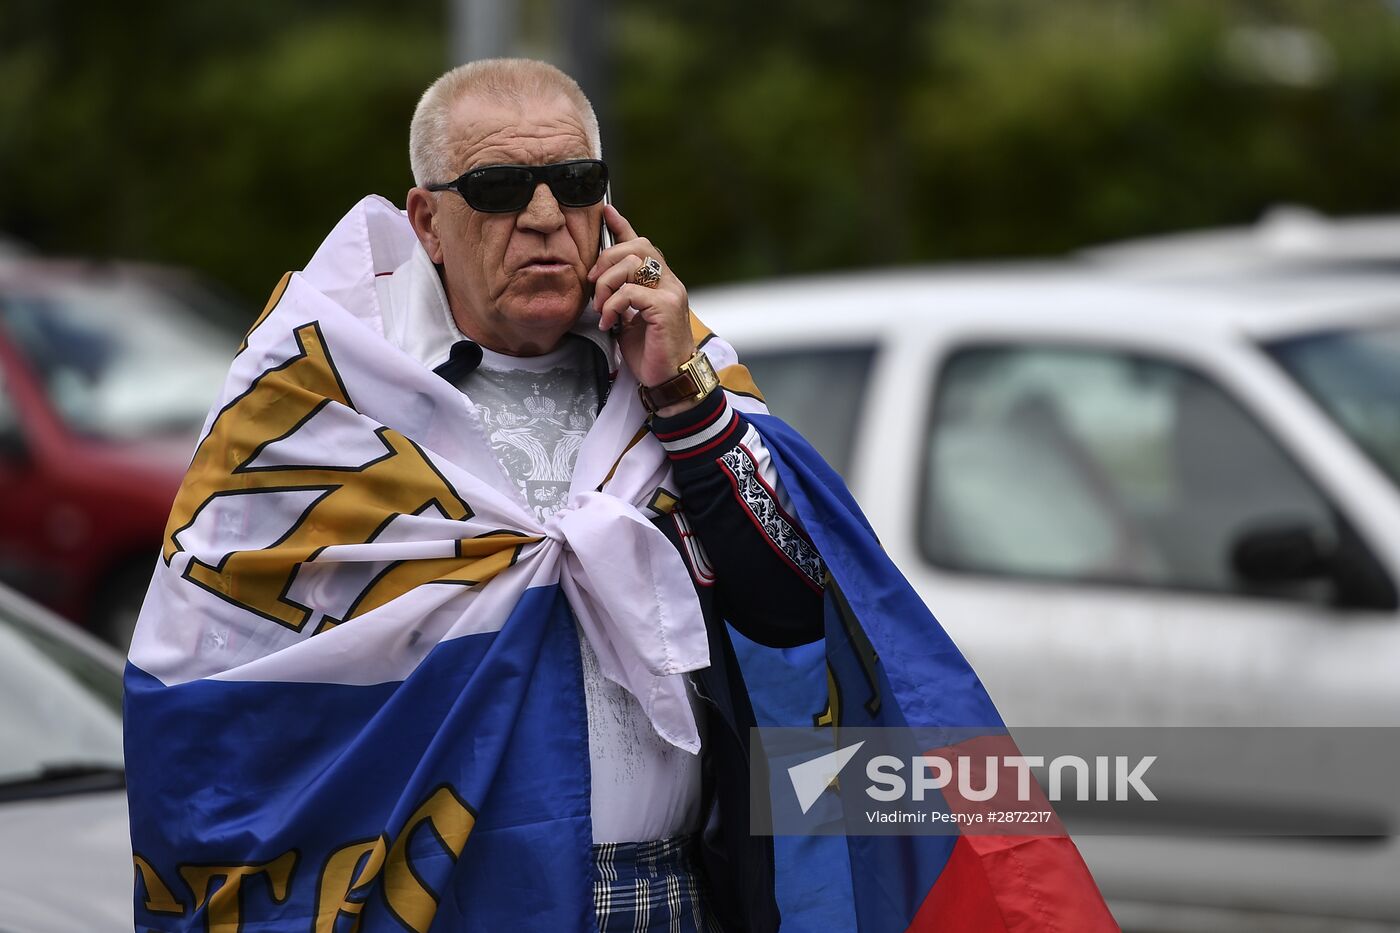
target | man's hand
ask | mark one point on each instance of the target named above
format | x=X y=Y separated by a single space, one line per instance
x=655 y=338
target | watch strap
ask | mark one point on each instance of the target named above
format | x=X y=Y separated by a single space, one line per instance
x=695 y=380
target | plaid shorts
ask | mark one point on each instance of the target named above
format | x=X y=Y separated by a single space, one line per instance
x=650 y=887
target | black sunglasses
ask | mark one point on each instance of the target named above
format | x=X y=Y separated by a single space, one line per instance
x=500 y=189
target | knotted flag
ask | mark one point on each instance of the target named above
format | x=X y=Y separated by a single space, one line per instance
x=354 y=698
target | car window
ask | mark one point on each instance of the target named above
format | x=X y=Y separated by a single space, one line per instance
x=1354 y=375
x=59 y=708
x=1093 y=465
x=118 y=360
x=819 y=392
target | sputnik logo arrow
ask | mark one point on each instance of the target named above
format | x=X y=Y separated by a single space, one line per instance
x=810 y=778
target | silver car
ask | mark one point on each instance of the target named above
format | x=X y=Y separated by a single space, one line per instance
x=65 y=849
x=1134 y=502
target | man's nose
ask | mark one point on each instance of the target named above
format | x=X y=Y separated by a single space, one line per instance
x=543 y=213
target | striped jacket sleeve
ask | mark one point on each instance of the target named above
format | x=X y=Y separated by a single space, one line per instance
x=766 y=573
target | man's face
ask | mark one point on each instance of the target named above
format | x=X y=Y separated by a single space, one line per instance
x=515 y=282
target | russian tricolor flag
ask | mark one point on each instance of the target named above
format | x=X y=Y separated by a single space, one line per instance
x=886 y=662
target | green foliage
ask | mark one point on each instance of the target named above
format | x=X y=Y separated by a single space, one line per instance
x=295 y=136
x=746 y=139
x=229 y=137
x=844 y=134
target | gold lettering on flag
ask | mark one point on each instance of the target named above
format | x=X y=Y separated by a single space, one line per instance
x=159 y=899
x=334 y=898
x=352 y=505
x=450 y=821
x=224 y=913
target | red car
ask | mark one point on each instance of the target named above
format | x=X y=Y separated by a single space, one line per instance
x=106 y=374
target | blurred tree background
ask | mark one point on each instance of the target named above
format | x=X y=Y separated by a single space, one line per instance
x=746 y=139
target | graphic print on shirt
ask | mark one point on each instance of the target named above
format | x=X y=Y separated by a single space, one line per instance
x=536 y=423
x=643 y=788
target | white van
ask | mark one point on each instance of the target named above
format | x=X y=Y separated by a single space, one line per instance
x=1132 y=503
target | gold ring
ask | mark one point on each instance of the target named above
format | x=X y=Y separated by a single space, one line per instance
x=648 y=274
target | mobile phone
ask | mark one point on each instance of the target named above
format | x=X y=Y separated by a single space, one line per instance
x=605 y=241
x=605 y=237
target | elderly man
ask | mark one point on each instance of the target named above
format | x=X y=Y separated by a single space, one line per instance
x=460 y=541
x=508 y=209
x=438 y=639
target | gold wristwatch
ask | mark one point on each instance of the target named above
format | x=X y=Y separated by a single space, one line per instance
x=697 y=379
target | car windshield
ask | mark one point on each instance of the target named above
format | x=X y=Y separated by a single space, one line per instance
x=1354 y=375
x=60 y=709
x=118 y=359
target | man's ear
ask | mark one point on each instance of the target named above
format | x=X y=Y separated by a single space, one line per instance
x=422 y=214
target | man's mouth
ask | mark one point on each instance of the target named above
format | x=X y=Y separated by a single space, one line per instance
x=546 y=264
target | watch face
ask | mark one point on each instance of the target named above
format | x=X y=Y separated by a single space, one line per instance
x=705 y=374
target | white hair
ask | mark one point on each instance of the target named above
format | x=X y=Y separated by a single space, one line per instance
x=508 y=80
